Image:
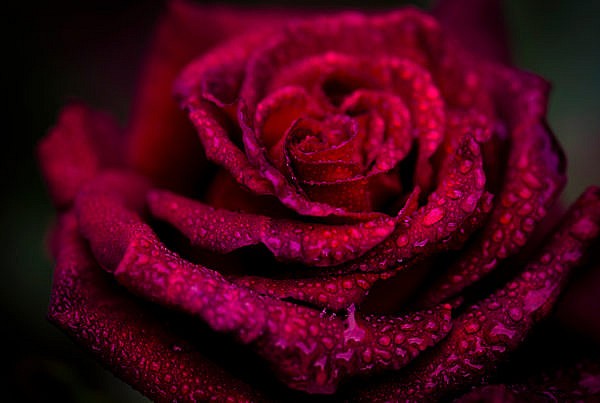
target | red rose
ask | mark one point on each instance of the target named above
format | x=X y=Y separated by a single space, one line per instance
x=345 y=183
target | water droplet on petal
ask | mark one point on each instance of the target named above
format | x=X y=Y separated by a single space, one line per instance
x=515 y=314
x=433 y=216
x=472 y=327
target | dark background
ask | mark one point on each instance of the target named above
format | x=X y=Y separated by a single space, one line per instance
x=93 y=50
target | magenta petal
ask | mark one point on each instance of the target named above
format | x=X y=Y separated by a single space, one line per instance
x=222 y=150
x=491 y=329
x=533 y=179
x=328 y=292
x=478 y=24
x=125 y=337
x=224 y=231
x=81 y=144
x=454 y=209
x=579 y=382
x=108 y=213
x=162 y=142
x=308 y=351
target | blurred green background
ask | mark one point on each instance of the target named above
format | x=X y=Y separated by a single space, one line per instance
x=93 y=51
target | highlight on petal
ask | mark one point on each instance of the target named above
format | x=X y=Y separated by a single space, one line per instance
x=493 y=328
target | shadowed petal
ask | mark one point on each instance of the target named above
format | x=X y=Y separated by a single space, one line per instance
x=478 y=24
x=162 y=143
x=82 y=142
x=454 y=210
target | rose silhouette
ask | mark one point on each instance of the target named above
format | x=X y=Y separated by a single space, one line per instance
x=321 y=213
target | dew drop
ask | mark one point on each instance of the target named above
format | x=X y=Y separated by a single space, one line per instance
x=515 y=313
x=402 y=240
x=431 y=326
x=384 y=340
x=399 y=338
x=585 y=229
x=433 y=216
x=421 y=243
x=469 y=203
x=367 y=355
x=465 y=166
x=525 y=193
x=472 y=327
x=176 y=348
x=532 y=181
x=519 y=238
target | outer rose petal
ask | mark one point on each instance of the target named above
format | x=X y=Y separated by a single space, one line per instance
x=136 y=346
x=533 y=178
x=82 y=142
x=308 y=351
x=580 y=382
x=491 y=329
x=477 y=24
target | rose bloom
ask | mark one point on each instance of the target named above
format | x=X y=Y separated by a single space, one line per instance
x=351 y=205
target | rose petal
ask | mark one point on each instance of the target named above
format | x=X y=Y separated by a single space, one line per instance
x=220 y=149
x=478 y=25
x=104 y=222
x=163 y=145
x=329 y=291
x=533 y=179
x=489 y=330
x=296 y=340
x=456 y=207
x=121 y=333
x=579 y=382
x=223 y=231
x=355 y=33
x=309 y=351
x=333 y=293
x=82 y=142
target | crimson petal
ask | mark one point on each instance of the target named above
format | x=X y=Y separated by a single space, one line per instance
x=162 y=143
x=579 y=382
x=82 y=142
x=309 y=351
x=455 y=208
x=478 y=25
x=533 y=179
x=491 y=329
x=223 y=231
x=137 y=347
